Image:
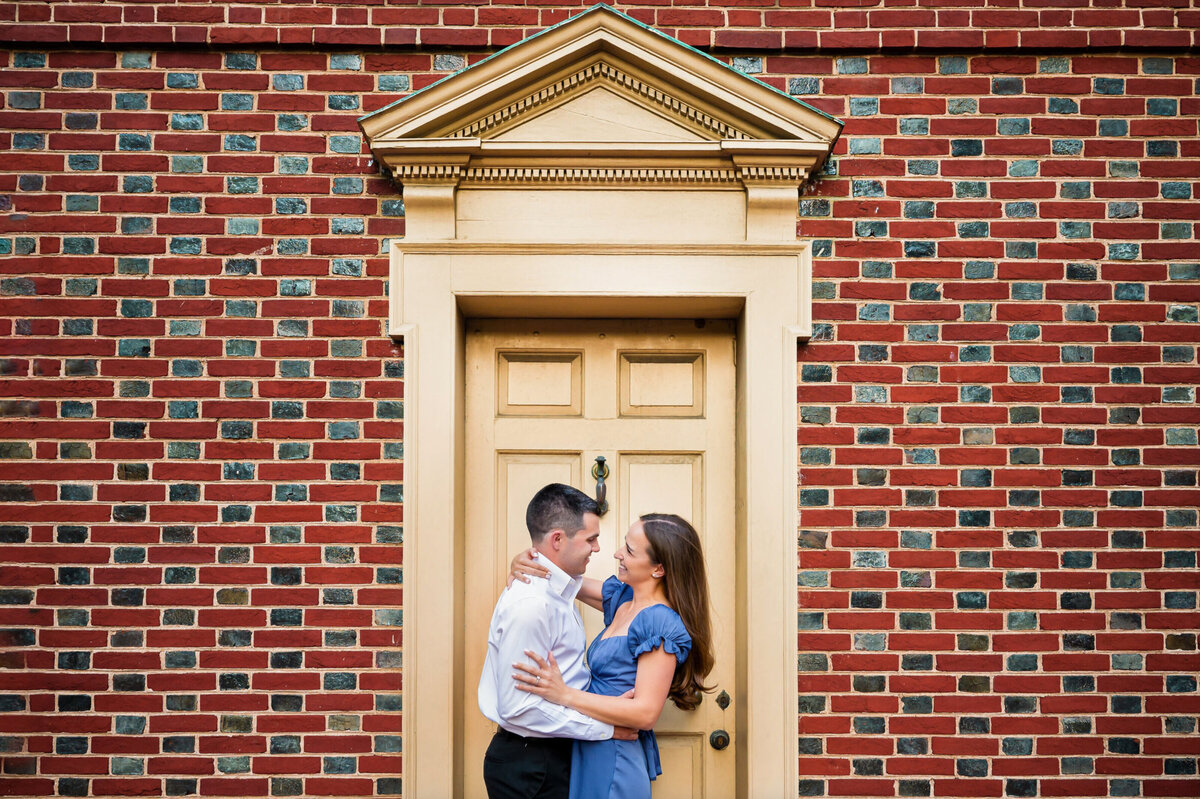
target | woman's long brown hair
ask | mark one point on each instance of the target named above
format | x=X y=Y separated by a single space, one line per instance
x=675 y=545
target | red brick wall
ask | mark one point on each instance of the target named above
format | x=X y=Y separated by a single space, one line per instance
x=201 y=423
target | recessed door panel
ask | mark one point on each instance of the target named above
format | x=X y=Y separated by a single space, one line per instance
x=655 y=398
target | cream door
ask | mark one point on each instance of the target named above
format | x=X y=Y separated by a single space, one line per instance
x=655 y=398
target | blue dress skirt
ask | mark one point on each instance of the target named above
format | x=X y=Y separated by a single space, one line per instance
x=623 y=769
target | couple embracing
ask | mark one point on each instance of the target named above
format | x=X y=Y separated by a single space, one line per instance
x=575 y=723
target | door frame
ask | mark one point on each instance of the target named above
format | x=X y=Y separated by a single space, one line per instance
x=436 y=286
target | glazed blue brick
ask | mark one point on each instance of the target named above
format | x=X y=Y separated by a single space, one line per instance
x=1130 y=292
x=908 y=85
x=1075 y=353
x=241 y=61
x=962 y=105
x=1076 y=190
x=31 y=182
x=343 y=102
x=290 y=205
x=292 y=247
x=1015 y=126
x=184 y=205
x=1158 y=66
x=182 y=80
x=393 y=83
x=866 y=188
x=136 y=224
x=1062 y=105
x=974 y=394
x=952 y=65
x=350 y=145
x=292 y=328
x=241 y=309
x=184 y=245
x=295 y=288
x=918 y=209
x=1066 y=147
x=287 y=82
x=1023 y=169
x=242 y=226
x=1008 y=85
x=1075 y=230
x=851 y=65
x=1123 y=251
x=240 y=348
x=1123 y=169
x=922 y=166
x=293 y=165
x=1175 y=230
x=25 y=100
x=979 y=270
x=237 y=102
x=339 y=431
x=187 y=122
x=821 y=248
x=914 y=126
x=1182 y=313
x=240 y=143
x=1162 y=149
x=966 y=147
x=967 y=189
x=1162 y=107
x=294 y=450
x=795 y=86
x=972 y=230
x=28 y=141
x=1027 y=291
x=1024 y=374
x=1114 y=127
x=348 y=226
x=137 y=184
x=347 y=185
x=78 y=245
x=870 y=228
x=747 y=65
x=1108 y=85
x=78 y=80
x=131 y=101
x=187 y=164
x=920 y=249
x=1020 y=249
x=1076 y=394
x=291 y=122
x=864 y=106
x=867 y=146
x=977 y=312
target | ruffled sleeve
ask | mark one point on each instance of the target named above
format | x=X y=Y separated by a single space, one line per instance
x=657 y=626
x=613 y=594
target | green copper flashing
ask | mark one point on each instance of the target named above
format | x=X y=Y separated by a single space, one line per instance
x=597 y=8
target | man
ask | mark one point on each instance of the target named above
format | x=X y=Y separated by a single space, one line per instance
x=530 y=755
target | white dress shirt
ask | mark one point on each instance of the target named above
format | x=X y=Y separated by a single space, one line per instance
x=540 y=616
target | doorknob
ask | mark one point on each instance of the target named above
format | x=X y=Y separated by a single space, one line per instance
x=719 y=739
x=600 y=472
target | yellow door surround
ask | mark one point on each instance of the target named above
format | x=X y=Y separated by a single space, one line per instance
x=600 y=169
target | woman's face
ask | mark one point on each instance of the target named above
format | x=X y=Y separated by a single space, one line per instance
x=633 y=559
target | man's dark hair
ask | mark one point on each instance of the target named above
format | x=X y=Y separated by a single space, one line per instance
x=557 y=507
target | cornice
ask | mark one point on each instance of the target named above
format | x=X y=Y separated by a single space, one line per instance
x=610 y=75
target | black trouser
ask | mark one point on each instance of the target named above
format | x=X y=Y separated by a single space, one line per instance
x=516 y=767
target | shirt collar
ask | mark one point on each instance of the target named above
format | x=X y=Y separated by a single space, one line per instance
x=561 y=583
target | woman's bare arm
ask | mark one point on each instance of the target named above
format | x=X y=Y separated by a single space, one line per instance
x=655 y=670
x=525 y=565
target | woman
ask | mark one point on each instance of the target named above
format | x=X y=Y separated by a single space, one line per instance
x=656 y=642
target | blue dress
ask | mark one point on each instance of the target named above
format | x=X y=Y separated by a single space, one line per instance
x=623 y=769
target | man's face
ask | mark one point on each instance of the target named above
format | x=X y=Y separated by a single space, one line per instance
x=577 y=549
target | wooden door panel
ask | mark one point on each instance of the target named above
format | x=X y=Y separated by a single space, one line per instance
x=656 y=399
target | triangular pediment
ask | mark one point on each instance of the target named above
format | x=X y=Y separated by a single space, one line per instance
x=599 y=113
x=604 y=78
